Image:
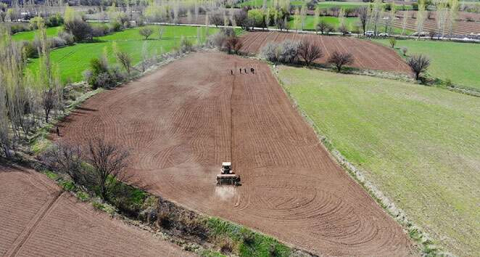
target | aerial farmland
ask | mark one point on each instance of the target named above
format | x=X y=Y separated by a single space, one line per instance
x=239 y=128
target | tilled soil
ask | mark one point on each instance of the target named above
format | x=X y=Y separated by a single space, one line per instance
x=37 y=219
x=181 y=122
x=367 y=55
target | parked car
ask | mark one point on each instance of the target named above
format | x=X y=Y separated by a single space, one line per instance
x=369 y=33
x=384 y=34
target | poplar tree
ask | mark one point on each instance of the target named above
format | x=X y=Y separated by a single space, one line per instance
x=420 y=17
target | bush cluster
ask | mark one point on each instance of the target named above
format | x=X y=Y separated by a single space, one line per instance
x=102 y=75
x=284 y=52
x=226 y=41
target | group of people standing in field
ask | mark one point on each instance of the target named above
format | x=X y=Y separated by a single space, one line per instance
x=252 y=70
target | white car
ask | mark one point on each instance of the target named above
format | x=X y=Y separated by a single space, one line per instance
x=383 y=34
x=369 y=33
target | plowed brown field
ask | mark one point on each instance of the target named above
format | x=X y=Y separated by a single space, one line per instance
x=182 y=121
x=367 y=55
x=37 y=219
x=461 y=27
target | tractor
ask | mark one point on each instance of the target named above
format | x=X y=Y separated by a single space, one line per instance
x=227 y=176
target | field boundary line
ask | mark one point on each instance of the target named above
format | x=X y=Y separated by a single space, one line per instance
x=33 y=225
x=423 y=242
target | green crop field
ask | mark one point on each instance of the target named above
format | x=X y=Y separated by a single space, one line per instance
x=458 y=62
x=72 y=61
x=419 y=145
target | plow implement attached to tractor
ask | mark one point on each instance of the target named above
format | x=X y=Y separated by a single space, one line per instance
x=227 y=176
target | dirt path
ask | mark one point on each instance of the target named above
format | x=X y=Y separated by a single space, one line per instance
x=37 y=219
x=178 y=123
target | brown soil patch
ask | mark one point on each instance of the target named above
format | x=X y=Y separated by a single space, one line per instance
x=37 y=219
x=367 y=55
x=182 y=121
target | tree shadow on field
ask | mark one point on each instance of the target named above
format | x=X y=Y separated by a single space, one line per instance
x=7 y=166
x=79 y=111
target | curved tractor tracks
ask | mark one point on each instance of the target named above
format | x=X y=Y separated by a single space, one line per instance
x=181 y=122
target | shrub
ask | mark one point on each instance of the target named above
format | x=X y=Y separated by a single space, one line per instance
x=100 y=30
x=217 y=40
x=54 y=20
x=99 y=75
x=288 y=51
x=80 y=30
x=392 y=41
x=269 y=52
x=56 y=42
x=67 y=37
x=35 y=21
x=216 y=18
x=116 y=26
x=29 y=49
x=18 y=28
x=404 y=51
x=186 y=45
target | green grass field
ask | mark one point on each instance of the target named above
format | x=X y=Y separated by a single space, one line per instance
x=419 y=145
x=458 y=62
x=30 y=35
x=72 y=61
x=333 y=21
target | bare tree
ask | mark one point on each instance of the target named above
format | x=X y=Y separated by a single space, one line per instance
x=453 y=13
x=322 y=26
x=233 y=44
x=309 y=52
x=418 y=64
x=316 y=18
x=216 y=19
x=420 y=17
x=377 y=13
x=340 y=59
x=108 y=162
x=161 y=30
x=48 y=102
x=67 y=159
x=5 y=139
x=441 y=17
x=123 y=58
x=146 y=32
x=144 y=56
x=363 y=16
x=404 y=22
